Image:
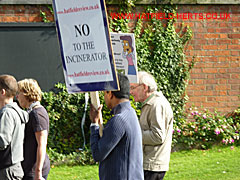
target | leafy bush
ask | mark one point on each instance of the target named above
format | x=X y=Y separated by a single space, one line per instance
x=206 y=129
x=65 y=113
x=75 y=158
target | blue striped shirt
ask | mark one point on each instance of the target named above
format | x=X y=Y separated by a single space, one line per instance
x=119 y=151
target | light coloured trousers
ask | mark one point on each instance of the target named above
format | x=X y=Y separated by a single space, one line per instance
x=14 y=172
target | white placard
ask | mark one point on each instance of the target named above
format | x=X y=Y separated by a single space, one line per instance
x=86 y=52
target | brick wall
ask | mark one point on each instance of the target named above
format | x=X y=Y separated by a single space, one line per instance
x=215 y=81
x=23 y=13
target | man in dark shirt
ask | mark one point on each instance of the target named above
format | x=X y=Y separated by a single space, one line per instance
x=119 y=150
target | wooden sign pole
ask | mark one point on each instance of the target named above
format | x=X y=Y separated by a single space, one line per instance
x=96 y=103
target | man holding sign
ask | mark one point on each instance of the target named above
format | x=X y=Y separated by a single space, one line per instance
x=119 y=150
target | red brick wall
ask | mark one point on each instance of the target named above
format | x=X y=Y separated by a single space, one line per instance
x=23 y=13
x=215 y=81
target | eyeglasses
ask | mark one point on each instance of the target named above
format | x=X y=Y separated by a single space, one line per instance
x=134 y=87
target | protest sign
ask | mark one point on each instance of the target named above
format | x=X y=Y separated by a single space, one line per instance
x=85 y=45
x=125 y=54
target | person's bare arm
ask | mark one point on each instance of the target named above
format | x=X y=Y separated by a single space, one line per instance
x=41 y=137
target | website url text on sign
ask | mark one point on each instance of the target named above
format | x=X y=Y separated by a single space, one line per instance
x=146 y=16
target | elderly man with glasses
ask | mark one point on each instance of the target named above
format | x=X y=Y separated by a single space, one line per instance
x=156 y=122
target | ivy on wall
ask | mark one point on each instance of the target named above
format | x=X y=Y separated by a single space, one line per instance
x=43 y=13
x=160 y=51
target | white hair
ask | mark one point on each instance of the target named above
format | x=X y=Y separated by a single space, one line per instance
x=148 y=80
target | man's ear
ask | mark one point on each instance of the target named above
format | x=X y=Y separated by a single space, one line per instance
x=146 y=88
x=3 y=91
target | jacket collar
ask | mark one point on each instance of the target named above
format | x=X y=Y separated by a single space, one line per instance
x=150 y=99
x=118 y=108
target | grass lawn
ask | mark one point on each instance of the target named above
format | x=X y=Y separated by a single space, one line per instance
x=218 y=163
x=74 y=173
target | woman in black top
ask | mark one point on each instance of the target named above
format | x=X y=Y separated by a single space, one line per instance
x=36 y=164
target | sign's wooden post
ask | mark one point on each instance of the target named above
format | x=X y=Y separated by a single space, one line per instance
x=96 y=103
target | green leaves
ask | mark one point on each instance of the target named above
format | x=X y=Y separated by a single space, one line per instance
x=160 y=51
x=206 y=129
x=65 y=113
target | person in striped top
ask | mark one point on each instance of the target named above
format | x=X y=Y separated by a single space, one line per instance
x=119 y=150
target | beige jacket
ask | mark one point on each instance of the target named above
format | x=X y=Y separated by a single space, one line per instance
x=156 y=122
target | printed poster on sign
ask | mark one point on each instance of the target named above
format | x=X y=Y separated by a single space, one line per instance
x=85 y=45
x=125 y=54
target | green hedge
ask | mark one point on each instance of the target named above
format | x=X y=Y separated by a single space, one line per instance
x=65 y=112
